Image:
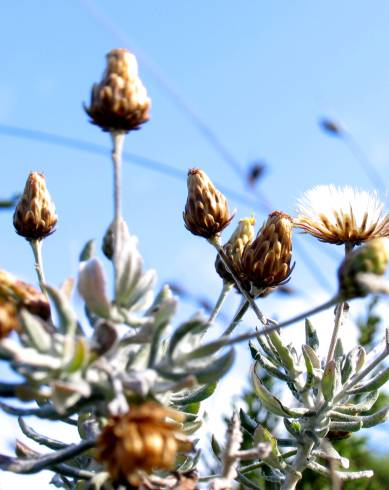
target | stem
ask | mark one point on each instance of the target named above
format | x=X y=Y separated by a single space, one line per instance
x=36 y=246
x=243 y=307
x=215 y=241
x=222 y=297
x=301 y=461
x=340 y=310
x=117 y=151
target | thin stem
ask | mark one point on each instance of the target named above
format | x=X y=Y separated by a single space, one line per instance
x=243 y=307
x=339 y=319
x=301 y=461
x=215 y=241
x=36 y=246
x=222 y=297
x=117 y=152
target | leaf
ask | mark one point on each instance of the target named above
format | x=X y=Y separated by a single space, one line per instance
x=328 y=381
x=196 y=325
x=36 y=332
x=373 y=384
x=88 y=251
x=363 y=406
x=194 y=396
x=92 y=287
x=283 y=352
x=263 y=435
x=311 y=337
x=66 y=314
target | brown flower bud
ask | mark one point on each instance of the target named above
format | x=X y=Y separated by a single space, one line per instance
x=206 y=211
x=23 y=295
x=141 y=440
x=34 y=216
x=8 y=318
x=266 y=261
x=119 y=102
x=243 y=234
x=370 y=258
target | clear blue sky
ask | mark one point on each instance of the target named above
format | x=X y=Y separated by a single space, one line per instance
x=259 y=73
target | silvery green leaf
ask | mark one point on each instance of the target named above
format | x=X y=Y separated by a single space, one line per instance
x=311 y=356
x=362 y=406
x=191 y=427
x=193 y=396
x=373 y=384
x=132 y=286
x=29 y=356
x=92 y=287
x=376 y=418
x=361 y=359
x=247 y=422
x=349 y=367
x=328 y=381
x=197 y=324
x=310 y=335
x=66 y=394
x=156 y=343
x=36 y=332
x=338 y=349
x=263 y=435
x=346 y=426
x=66 y=314
x=270 y=368
x=217 y=450
x=268 y=400
x=283 y=352
x=88 y=251
x=78 y=354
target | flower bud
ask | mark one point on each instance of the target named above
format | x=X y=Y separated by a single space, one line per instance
x=266 y=261
x=243 y=234
x=141 y=440
x=23 y=295
x=119 y=102
x=34 y=216
x=370 y=258
x=206 y=212
x=8 y=318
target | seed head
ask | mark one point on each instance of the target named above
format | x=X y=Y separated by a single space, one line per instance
x=266 y=261
x=342 y=215
x=8 y=318
x=141 y=440
x=35 y=216
x=243 y=234
x=371 y=258
x=206 y=212
x=23 y=295
x=119 y=102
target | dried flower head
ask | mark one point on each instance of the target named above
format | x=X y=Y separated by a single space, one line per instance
x=370 y=258
x=266 y=261
x=141 y=440
x=341 y=215
x=35 y=216
x=8 y=318
x=206 y=212
x=119 y=102
x=23 y=295
x=243 y=234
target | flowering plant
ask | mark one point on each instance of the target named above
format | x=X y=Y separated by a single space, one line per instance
x=134 y=390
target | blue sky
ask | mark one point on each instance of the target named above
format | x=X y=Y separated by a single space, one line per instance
x=258 y=73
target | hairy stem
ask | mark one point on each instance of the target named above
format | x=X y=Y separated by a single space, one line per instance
x=339 y=316
x=215 y=241
x=36 y=246
x=222 y=297
x=117 y=151
x=301 y=461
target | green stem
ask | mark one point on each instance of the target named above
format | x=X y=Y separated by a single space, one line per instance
x=36 y=246
x=215 y=241
x=227 y=286
x=243 y=307
x=117 y=151
x=339 y=317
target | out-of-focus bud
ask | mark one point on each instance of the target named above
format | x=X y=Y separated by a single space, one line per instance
x=266 y=261
x=8 y=318
x=331 y=127
x=243 y=234
x=35 y=216
x=206 y=212
x=141 y=440
x=372 y=258
x=92 y=287
x=21 y=294
x=119 y=102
